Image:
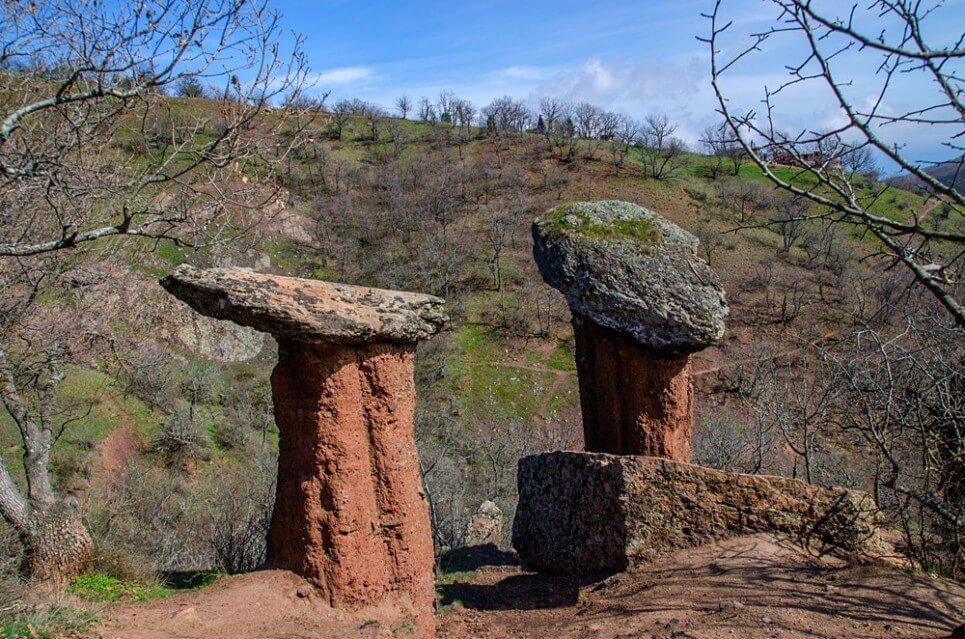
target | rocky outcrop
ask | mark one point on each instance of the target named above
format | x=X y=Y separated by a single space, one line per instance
x=350 y=514
x=642 y=302
x=584 y=512
x=220 y=341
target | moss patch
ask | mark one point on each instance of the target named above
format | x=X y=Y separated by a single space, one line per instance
x=570 y=218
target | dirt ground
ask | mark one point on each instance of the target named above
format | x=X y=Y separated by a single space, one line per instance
x=271 y=604
x=757 y=587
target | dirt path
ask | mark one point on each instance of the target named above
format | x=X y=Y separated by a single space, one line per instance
x=757 y=587
x=559 y=378
x=550 y=393
x=117 y=450
x=929 y=206
x=525 y=367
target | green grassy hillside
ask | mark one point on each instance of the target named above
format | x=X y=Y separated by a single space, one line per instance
x=431 y=208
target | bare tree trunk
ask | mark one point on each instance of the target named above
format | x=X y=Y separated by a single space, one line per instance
x=57 y=545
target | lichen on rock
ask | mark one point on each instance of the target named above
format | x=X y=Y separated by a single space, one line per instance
x=628 y=269
x=307 y=310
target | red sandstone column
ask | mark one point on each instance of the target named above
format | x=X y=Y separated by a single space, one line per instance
x=634 y=401
x=350 y=514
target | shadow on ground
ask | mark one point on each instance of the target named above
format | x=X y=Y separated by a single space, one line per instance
x=474 y=557
x=757 y=587
x=516 y=591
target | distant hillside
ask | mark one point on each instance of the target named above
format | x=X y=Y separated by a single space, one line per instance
x=951 y=173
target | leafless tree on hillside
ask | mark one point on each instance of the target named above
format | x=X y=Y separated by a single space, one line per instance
x=497 y=232
x=587 y=117
x=445 y=105
x=403 y=104
x=90 y=149
x=427 y=111
x=91 y=77
x=610 y=123
x=745 y=198
x=710 y=241
x=555 y=112
x=901 y=371
x=559 y=138
x=888 y=40
x=506 y=114
x=464 y=114
x=340 y=114
x=663 y=152
x=789 y=218
x=723 y=148
x=373 y=115
x=623 y=133
x=588 y=120
x=555 y=179
x=628 y=133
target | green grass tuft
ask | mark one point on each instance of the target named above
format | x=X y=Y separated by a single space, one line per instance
x=50 y=623
x=562 y=359
x=104 y=588
x=170 y=253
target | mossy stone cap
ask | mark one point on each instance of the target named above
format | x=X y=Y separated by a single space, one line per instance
x=628 y=269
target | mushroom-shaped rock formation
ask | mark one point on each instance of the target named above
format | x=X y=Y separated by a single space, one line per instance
x=350 y=514
x=642 y=303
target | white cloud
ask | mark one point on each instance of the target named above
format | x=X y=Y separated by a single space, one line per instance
x=520 y=73
x=629 y=85
x=343 y=75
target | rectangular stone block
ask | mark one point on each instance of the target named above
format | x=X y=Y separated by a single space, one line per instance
x=592 y=512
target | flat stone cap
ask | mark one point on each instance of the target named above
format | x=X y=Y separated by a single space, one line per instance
x=628 y=269
x=307 y=310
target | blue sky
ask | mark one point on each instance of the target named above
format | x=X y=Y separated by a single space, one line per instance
x=634 y=57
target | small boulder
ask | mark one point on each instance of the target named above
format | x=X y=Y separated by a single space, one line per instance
x=628 y=269
x=186 y=615
x=485 y=526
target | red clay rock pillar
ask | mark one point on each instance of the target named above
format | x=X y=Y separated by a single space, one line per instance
x=350 y=514
x=642 y=303
x=634 y=401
